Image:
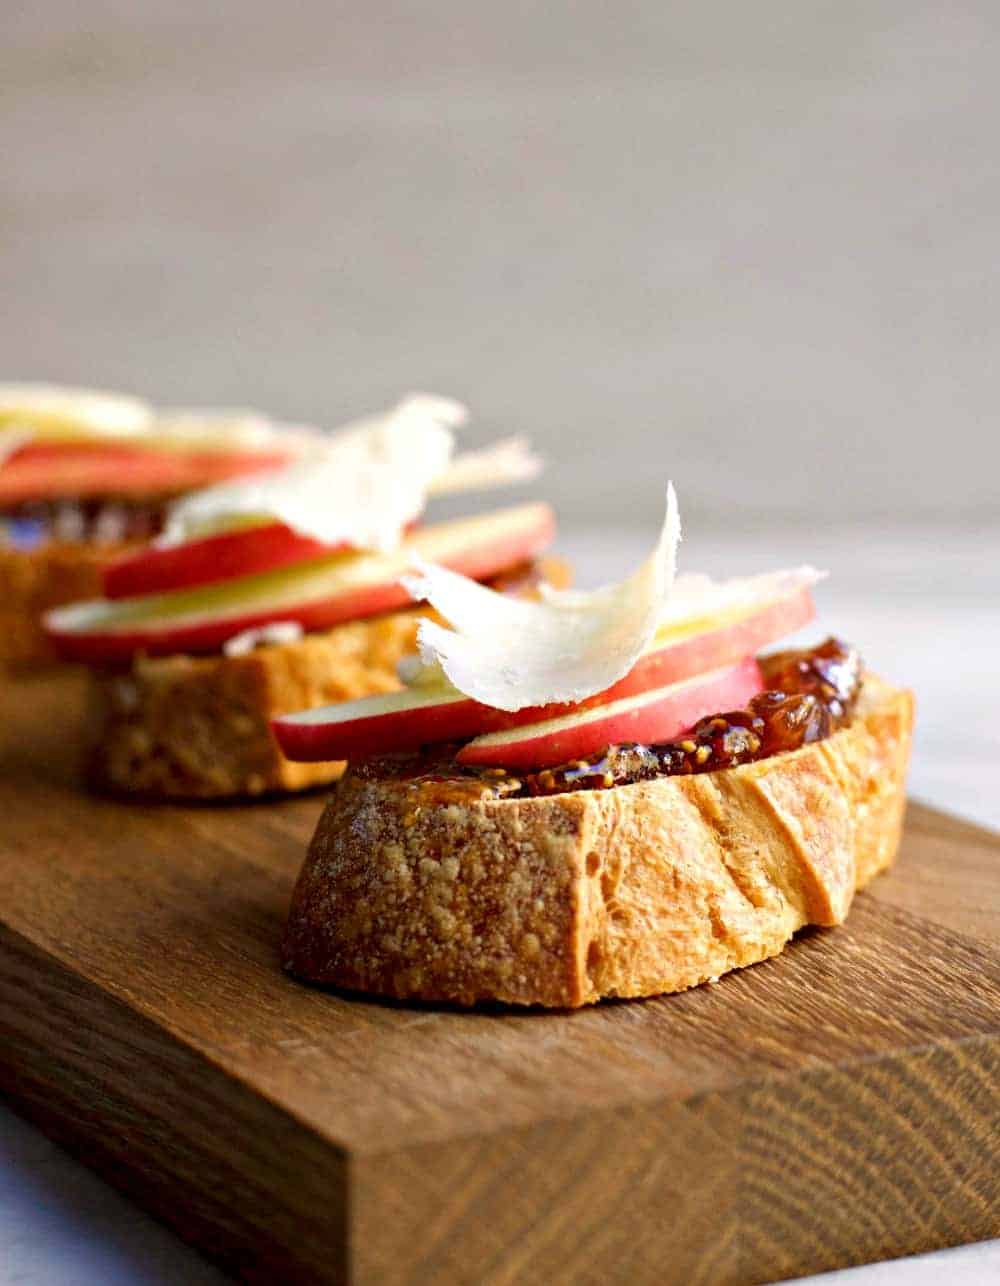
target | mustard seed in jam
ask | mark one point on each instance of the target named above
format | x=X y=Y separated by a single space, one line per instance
x=810 y=694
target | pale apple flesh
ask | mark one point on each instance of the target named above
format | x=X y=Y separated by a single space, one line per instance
x=379 y=724
x=420 y=716
x=159 y=569
x=317 y=594
x=390 y=722
x=658 y=715
x=242 y=551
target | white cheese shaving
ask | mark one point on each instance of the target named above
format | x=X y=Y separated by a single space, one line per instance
x=52 y=412
x=508 y=461
x=414 y=672
x=195 y=429
x=443 y=410
x=361 y=487
x=510 y=653
x=200 y=426
x=246 y=641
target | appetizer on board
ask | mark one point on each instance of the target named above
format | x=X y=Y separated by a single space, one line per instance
x=281 y=591
x=600 y=794
x=85 y=476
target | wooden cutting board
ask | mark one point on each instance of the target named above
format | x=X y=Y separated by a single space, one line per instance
x=836 y=1105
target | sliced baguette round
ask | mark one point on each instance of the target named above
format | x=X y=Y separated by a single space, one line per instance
x=199 y=727
x=34 y=580
x=638 y=890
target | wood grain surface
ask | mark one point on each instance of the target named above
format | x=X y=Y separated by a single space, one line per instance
x=836 y=1105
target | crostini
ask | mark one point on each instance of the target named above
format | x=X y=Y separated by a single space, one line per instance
x=86 y=476
x=598 y=795
x=282 y=591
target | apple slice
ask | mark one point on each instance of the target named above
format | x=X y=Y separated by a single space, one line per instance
x=55 y=471
x=241 y=551
x=381 y=724
x=686 y=648
x=317 y=594
x=654 y=716
x=422 y=715
x=392 y=721
x=53 y=411
x=159 y=569
x=203 y=468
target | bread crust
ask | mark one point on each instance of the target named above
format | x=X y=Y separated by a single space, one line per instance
x=561 y=900
x=198 y=727
x=34 y=580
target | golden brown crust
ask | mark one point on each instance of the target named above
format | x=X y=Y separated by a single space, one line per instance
x=187 y=727
x=34 y=580
x=563 y=899
x=192 y=727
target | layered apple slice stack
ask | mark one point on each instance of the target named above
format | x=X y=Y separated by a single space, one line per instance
x=526 y=685
x=85 y=475
x=63 y=444
x=268 y=574
x=326 y=539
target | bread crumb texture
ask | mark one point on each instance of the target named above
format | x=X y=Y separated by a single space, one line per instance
x=199 y=727
x=34 y=580
x=635 y=891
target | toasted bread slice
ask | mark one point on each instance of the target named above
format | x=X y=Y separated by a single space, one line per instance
x=198 y=727
x=563 y=899
x=34 y=580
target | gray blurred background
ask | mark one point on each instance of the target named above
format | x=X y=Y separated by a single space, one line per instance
x=749 y=246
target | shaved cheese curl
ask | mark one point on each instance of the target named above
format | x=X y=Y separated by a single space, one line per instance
x=509 y=653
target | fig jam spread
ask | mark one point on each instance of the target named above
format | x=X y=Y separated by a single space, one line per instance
x=810 y=694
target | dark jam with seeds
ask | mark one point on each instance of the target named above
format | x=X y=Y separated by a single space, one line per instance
x=810 y=694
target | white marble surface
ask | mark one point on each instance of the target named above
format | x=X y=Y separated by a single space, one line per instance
x=926 y=609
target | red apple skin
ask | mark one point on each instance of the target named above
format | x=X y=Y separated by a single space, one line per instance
x=660 y=715
x=420 y=716
x=456 y=720
x=163 y=638
x=713 y=649
x=79 y=471
x=119 y=646
x=157 y=570
x=208 y=467
x=430 y=719
x=160 y=569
